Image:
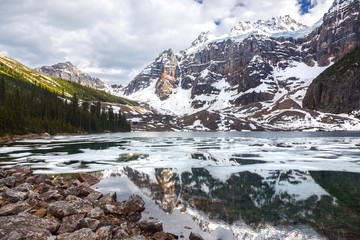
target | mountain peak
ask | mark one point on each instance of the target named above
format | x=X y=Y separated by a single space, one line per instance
x=202 y=38
x=68 y=71
x=69 y=63
x=269 y=26
x=65 y=65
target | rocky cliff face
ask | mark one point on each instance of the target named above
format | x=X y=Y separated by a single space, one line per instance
x=164 y=71
x=69 y=72
x=337 y=89
x=258 y=73
x=338 y=34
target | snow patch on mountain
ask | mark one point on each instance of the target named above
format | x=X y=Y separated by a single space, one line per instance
x=267 y=27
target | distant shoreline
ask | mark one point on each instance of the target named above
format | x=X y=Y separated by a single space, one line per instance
x=11 y=138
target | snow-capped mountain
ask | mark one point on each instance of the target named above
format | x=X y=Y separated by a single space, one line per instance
x=267 y=27
x=255 y=77
x=71 y=73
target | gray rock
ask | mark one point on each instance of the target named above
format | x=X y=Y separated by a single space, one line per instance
x=8 y=181
x=74 y=191
x=91 y=223
x=87 y=178
x=53 y=223
x=150 y=226
x=134 y=204
x=116 y=208
x=195 y=236
x=52 y=195
x=24 y=187
x=3 y=173
x=72 y=205
x=70 y=223
x=105 y=233
x=42 y=188
x=14 y=196
x=110 y=220
x=14 y=208
x=82 y=234
x=93 y=196
x=134 y=217
x=26 y=226
x=164 y=236
x=42 y=178
x=109 y=198
x=78 y=204
x=96 y=213
x=137 y=237
x=120 y=234
x=60 y=209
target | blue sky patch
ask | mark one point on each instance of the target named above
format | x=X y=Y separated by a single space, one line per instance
x=305 y=6
x=199 y=1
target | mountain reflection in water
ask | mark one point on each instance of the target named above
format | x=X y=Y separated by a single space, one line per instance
x=254 y=185
x=328 y=202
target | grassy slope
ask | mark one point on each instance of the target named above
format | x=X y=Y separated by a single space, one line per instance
x=17 y=70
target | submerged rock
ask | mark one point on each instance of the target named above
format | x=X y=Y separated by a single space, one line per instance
x=164 y=236
x=150 y=226
x=195 y=236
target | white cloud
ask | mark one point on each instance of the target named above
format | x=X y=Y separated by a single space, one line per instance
x=114 y=39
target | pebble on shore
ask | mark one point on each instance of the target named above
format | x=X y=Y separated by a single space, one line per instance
x=37 y=206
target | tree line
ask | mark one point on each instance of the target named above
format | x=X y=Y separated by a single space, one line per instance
x=30 y=108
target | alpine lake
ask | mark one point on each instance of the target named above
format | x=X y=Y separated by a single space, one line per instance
x=221 y=185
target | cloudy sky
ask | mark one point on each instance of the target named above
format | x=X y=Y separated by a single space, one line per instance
x=115 y=39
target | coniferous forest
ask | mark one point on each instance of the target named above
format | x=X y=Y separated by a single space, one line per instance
x=30 y=108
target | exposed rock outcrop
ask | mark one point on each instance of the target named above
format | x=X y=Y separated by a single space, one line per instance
x=337 y=89
x=71 y=73
x=338 y=34
x=164 y=71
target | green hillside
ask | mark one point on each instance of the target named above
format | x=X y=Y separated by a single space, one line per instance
x=31 y=102
x=15 y=69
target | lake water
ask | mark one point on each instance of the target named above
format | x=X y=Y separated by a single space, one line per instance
x=227 y=185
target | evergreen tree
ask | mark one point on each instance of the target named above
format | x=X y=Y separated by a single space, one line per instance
x=111 y=118
x=28 y=108
x=2 y=89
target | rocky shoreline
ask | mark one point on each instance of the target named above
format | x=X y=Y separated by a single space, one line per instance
x=38 y=206
x=9 y=139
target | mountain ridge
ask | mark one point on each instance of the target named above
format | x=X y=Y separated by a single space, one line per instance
x=16 y=69
x=70 y=72
x=257 y=78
